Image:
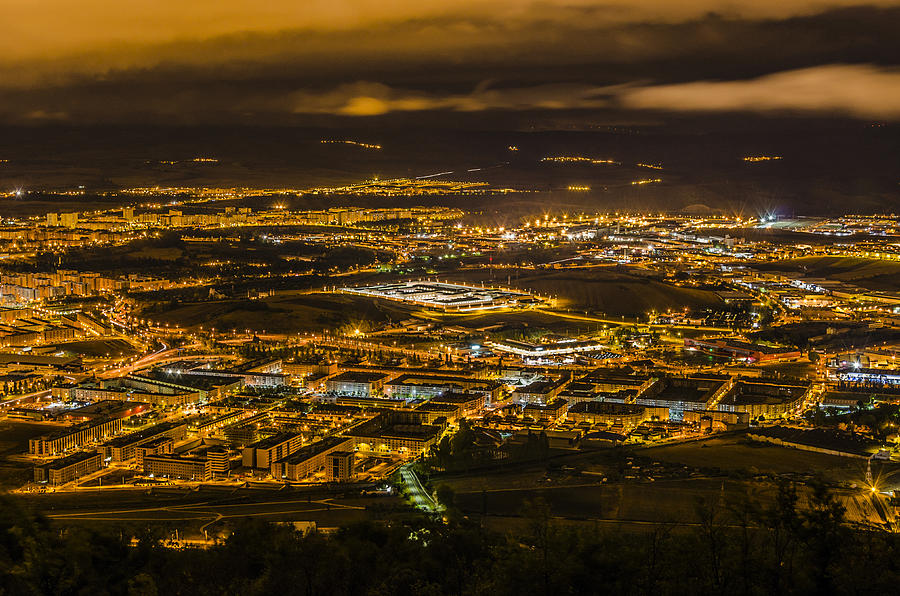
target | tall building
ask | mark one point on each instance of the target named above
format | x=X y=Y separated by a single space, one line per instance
x=69 y=220
x=339 y=466
x=220 y=462
x=53 y=219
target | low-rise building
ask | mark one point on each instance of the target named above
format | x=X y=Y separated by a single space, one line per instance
x=158 y=446
x=67 y=469
x=123 y=448
x=759 y=398
x=271 y=449
x=310 y=458
x=177 y=467
x=469 y=403
x=625 y=416
x=539 y=392
x=549 y=412
x=741 y=350
x=356 y=383
x=681 y=394
x=607 y=380
x=74 y=437
x=717 y=420
x=396 y=434
x=435 y=411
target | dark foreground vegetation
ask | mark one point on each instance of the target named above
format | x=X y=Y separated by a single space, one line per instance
x=741 y=549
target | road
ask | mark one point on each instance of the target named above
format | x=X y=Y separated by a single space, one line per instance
x=28 y=397
x=619 y=322
x=420 y=497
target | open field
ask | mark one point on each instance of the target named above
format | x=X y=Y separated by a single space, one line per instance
x=603 y=289
x=14 y=435
x=286 y=314
x=664 y=484
x=799 y=369
x=734 y=453
x=874 y=274
x=189 y=509
x=526 y=319
x=99 y=348
x=662 y=502
x=675 y=502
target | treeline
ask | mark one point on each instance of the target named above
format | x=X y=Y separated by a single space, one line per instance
x=743 y=550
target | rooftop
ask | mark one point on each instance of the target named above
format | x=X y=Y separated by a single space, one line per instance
x=355 y=376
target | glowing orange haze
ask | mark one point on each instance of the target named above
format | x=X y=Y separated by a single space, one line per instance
x=38 y=29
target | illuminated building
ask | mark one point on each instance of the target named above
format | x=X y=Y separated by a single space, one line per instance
x=310 y=459
x=339 y=466
x=356 y=383
x=177 y=467
x=68 y=468
x=74 y=437
x=266 y=451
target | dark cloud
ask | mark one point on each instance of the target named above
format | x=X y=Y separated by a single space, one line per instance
x=374 y=99
x=221 y=61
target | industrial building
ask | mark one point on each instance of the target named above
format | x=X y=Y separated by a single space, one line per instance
x=445 y=297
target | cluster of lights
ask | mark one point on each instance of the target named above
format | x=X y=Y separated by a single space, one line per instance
x=407 y=186
x=579 y=159
x=172 y=162
x=646 y=181
x=755 y=158
x=348 y=142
